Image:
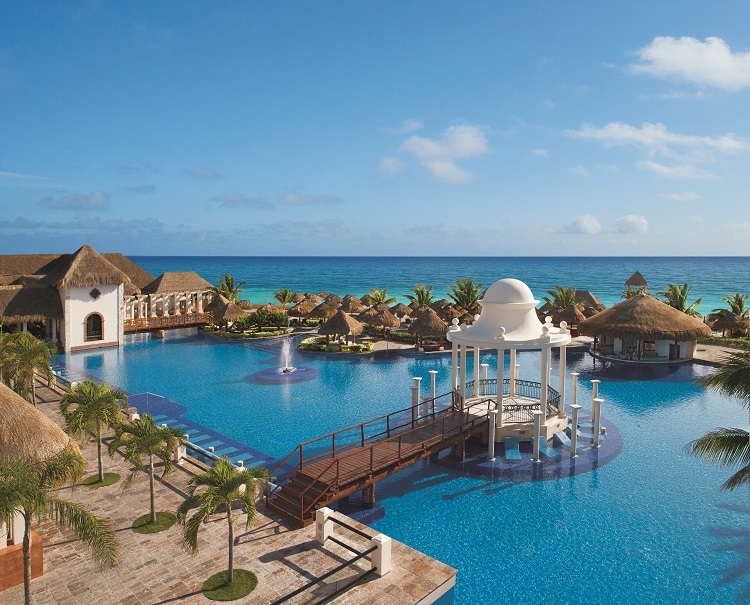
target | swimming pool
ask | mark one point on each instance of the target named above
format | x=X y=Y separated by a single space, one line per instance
x=649 y=527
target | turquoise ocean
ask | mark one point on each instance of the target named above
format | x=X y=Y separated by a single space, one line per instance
x=712 y=278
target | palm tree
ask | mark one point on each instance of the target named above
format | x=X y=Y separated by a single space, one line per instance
x=143 y=438
x=561 y=298
x=284 y=296
x=376 y=296
x=31 y=489
x=466 y=293
x=227 y=288
x=422 y=295
x=631 y=292
x=26 y=354
x=677 y=296
x=736 y=304
x=97 y=406
x=221 y=485
x=728 y=447
x=5 y=338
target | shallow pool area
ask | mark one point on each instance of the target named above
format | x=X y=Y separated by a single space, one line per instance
x=650 y=526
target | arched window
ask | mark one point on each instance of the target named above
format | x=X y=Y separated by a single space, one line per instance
x=94 y=327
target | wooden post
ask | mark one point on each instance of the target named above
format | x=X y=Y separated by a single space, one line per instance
x=368 y=496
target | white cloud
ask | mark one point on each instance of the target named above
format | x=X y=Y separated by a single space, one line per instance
x=546 y=104
x=584 y=224
x=96 y=200
x=144 y=189
x=710 y=63
x=293 y=197
x=578 y=171
x=678 y=171
x=234 y=199
x=203 y=172
x=656 y=138
x=540 y=152
x=688 y=196
x=406 y=126
x=632 y=223
x=390 y=166
x=17 y=175
x=438 y=155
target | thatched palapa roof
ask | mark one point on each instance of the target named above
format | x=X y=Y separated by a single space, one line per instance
x=730 y=321
x=400 y=310
x=352 y=305
x=19 y=304
x=82 y=269
x=297 y=297
x=642 y=317
x=224 y=310
x=177 y=281
x=26 y=433
x=324 y=310
x=636 y=280
x=341 y=324
x=302 y=309
x=385 y=319
x=583 y=298
x=572 y=315
x=427 y=323
x=334 y=298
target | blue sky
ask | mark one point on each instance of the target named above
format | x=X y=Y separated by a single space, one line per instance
x=375 y=128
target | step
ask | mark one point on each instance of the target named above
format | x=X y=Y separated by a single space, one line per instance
x=545 y=450
x=199 y=439
x=226 y=451
x=511 y=449
x=560 y=438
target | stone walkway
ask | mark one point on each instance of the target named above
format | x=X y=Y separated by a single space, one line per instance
x=154 y=569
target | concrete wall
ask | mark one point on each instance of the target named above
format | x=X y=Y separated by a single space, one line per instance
x=78 y=304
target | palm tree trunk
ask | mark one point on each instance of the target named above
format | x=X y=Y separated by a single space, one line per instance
x=27 y=559
x=33 y=389
x=230 y=571
x=151 y=485
x=99 y=451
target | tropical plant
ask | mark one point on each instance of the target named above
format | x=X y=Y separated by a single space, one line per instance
x=421 y=295
x=728 y=447
x=376 y=296
x=227 y=288
x=90 y=408
x=561 y=298
x=221 y=485
x=465 y=293
x=284 y=296
x=143 y=438
x=631 y=292
x=31 y=489
x=676 y=296
x=26 y=354
x=736 y=303
x=5 y=338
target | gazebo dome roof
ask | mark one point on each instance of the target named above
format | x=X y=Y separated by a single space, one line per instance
x=508 y=291
x=508 y=320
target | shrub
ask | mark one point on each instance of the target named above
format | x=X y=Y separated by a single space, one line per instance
x=402 y=336
x=243 y=323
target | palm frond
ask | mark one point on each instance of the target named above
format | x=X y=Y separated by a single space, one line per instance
x=732 y=378
x=94 y=531
x=726 y=447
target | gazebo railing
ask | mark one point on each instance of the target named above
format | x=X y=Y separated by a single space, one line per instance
x=522 y=412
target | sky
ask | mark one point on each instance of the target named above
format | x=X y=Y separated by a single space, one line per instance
x=375 y=128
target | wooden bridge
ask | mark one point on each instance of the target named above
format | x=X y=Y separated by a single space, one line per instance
x=355 y=458
x=161 y=322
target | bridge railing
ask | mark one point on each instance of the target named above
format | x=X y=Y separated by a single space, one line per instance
x=522 y=412
x=167 y=321
x=394 y=427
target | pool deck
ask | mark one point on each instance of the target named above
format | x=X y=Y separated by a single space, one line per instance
x=154 y=569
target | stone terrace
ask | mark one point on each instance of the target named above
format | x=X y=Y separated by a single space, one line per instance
x=154 y=569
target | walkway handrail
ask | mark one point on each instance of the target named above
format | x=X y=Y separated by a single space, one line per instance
x=470 y=421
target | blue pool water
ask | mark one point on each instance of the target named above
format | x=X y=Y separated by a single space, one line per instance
x=651 y=526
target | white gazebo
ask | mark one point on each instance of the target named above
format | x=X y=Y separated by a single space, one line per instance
x=508 y=322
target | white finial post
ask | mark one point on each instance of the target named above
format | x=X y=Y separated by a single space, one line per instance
x=574 y=383
x=433 y=384
x=594 y=395
x=492 y=419
x=574 y=408
x=598 y=422
x=414 y=405
x=537 y=433
x=463 y=377
x=513 y=373
x=476 y=371
x=454 y=365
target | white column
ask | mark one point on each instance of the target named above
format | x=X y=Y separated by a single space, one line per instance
x=418 y=399
x=513 y=373
x=200 y=302
x=485 y=367
x=463 y=376
x=476 y=371
x=3 y=535
x=574 y=383
x=26 y=326
x=323 y=524
x=598 y=422
x=425 y=413
x=454 y=365
x=544 y=383
x=561 y=381
x=491 y=421
x=433 y=384
x=54 y=330
x=537 y=434
x=500 y=374
x=381 y=557
x=574 y=429
x=594 y=395
x=414 y=405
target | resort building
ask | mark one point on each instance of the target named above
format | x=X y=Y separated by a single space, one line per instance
x=87 y=299
x=644 y=329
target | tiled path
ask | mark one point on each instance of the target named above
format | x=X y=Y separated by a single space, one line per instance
x=155 y=570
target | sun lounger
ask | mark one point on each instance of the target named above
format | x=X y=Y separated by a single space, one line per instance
x=511 y=449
